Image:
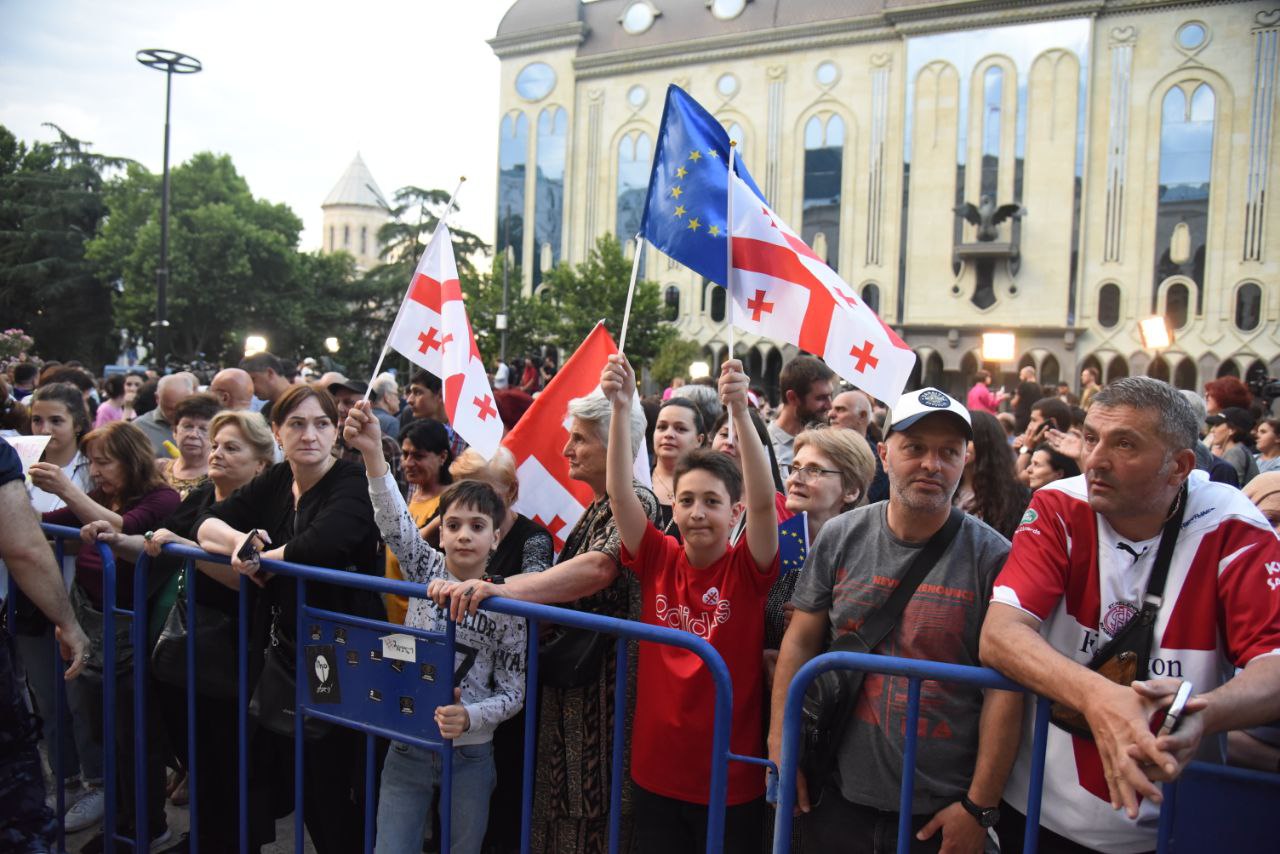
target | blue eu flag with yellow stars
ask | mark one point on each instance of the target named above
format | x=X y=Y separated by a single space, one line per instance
x=793 y=543
x=685 y=211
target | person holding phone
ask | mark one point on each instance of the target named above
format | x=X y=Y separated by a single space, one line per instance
x=1048 y=413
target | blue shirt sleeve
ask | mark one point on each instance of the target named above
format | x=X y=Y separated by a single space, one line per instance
x=10 y=465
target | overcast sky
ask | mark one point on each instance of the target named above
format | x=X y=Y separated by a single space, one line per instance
x=291 y=90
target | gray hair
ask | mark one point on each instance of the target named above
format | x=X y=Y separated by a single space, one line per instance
x=597 y=409
x=1197 y=405
x=706 y=398
x=185 y=378
x=1176 y=425
x=383 y=385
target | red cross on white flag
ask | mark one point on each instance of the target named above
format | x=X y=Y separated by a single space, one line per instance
x=781 y=290
x=432 y=331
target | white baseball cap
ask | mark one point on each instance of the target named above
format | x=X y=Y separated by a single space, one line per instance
x=914 y=405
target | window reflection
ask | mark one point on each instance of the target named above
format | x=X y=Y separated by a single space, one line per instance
x=1248 y=307
x=1182 y=202
x=634 y=153
x=1109 y=305
x=993 y=95
x=823 y=168
x=548 y=199
x=513 y=155
x=1176 y=302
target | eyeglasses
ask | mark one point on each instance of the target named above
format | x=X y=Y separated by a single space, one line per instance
x=808 y=473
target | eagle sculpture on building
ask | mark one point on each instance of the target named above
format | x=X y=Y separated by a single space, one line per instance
x=987 y=216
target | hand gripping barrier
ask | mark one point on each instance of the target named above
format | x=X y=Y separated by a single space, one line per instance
x=343 y=633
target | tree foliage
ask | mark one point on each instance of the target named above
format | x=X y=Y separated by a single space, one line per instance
x=52 y=204
x=674 y=360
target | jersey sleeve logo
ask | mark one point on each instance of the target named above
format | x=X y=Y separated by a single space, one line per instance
x=1273 y=573
x=1029 y=517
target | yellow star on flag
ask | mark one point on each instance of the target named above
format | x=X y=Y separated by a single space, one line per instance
x=711 y=152
x=681 y=172
x=679 y=210
x=676 y=191
x=695 y=155
x=693 y=224
x=714 y=231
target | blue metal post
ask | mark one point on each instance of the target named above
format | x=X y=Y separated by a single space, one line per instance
x=1035 y=786
x=141 y=825
x=619 y=737
x=530 y=737
x=723 y=723
x=60 y=715
x=193 y=793
x=242 y=711
x=906 y=796
x=446 y=753
x=370 y=808
x=299 y=720
x=109 y=777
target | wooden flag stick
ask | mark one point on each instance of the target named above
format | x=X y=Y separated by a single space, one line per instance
x=728 y=266
x=631 y=292
x=382 y=354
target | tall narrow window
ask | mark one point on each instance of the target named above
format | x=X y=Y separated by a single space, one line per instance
x=992 y=99
x=513 y=156
x=1109 y=305
x=1176 y=302
x=364 y=240
x=548 y=200
x=823 y=170
x=717 y=303
x=634 y=153
x=671 y=303
x=1248 y=307
x=346 y=237
x=871 y=296
x=1186 y=166
x=332 y=242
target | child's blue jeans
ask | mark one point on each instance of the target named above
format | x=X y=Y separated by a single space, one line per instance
x=410 y=776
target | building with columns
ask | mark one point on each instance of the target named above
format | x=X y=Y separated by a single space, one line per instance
x=1136 y=135
x=354 y=210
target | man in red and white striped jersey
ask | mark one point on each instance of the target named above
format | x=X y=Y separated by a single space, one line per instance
x=1078 y=571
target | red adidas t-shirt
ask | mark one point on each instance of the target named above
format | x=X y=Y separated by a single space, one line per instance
x=675 y=700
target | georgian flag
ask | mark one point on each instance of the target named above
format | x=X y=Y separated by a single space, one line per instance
x=432 y=331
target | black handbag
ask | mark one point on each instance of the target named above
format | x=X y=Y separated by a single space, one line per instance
x=571 y=658
x=273 y=704
x=216 y=644
x=1127 y=656
x=828 y=702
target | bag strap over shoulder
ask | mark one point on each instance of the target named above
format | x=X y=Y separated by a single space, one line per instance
x=881 y=622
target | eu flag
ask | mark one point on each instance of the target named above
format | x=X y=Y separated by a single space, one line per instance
x=793 y=543
x=684 y=213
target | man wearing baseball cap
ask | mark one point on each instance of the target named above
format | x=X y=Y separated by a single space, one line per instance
x=967 y=739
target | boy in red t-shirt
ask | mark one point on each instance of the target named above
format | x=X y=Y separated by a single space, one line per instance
x=711 y=590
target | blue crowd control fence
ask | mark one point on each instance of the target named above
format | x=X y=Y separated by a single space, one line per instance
x=433 y=656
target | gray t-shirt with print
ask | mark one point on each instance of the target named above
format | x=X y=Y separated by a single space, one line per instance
x=853 y=566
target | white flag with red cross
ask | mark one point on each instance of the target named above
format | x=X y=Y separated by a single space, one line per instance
x=548 y=495
x=780 y=289
x=432 y=331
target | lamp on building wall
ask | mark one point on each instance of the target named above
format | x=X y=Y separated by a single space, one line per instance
x=998 y=346
x=1155 y=333
x=255 y=344
x=698 y=370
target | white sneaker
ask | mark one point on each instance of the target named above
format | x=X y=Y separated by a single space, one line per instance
x=86 y=812
x=163 y=840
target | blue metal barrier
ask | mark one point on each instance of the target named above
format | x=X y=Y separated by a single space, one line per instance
x=622 y=629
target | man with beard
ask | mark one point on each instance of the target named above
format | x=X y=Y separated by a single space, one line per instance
x=967 y=738
x=805 y=384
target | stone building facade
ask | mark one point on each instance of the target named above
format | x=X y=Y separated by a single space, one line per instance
x=1136 y=135
x=354 y=210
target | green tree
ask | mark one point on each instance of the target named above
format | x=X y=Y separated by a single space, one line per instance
x=52 y=203
x=674 y=360
x=596 y=289
x=413 y=221
x=233 y=261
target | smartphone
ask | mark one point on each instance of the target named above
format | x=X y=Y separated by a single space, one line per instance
x=248 y=551
x=1174 y=713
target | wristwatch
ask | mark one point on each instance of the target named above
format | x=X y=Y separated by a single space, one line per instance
x=493 y=578
x=985 y=816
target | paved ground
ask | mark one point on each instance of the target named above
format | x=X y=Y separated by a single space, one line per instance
x=178 y=822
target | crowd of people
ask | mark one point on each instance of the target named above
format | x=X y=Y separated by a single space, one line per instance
x=1029 y=528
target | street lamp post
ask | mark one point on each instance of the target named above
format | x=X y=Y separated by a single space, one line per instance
x=170 y=62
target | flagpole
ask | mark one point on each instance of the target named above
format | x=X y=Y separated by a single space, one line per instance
x=728 y=267
x=382 y=354
x=631 y=291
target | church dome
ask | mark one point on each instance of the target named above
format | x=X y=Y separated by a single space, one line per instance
x=356 y=187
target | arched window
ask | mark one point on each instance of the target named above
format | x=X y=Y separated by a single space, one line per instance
x=1109 y=305
x=332 y=242
x=513 y=156
x=346 y=237
x=871 y=296
x=1186 y=166
x=548 y=199
x=634 y=153
x=1184 y=376
x=671 y=303
x=717 y=304
x=992 y=100
x=1176 y=304
x=823 y=171
x=364 y=240
x=1248 y=307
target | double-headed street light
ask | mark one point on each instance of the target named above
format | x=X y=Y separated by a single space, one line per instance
x=170 y=62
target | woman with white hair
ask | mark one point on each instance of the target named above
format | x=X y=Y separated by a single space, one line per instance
x=575 y=721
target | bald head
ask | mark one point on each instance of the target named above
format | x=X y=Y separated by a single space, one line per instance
x=233 y=387
x=851 y=410
x=172 y=390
